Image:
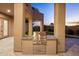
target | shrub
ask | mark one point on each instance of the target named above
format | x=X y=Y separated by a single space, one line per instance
x=77 y=31
x=50 y=33
x=70 y=32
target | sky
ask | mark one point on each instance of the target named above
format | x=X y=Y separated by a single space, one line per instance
x=72 y=12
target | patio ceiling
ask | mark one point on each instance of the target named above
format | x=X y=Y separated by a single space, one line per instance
x=7 y=8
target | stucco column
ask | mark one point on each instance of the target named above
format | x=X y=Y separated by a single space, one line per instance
x=30 y=26
x=59 y=25
x=18 y=25
x=41 y=24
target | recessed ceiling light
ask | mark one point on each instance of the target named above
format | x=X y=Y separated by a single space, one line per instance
x=8 y=10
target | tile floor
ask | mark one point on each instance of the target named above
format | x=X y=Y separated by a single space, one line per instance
x=7 y=45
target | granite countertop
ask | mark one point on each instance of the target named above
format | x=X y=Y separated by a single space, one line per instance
x=27 y=38
x=51 y=37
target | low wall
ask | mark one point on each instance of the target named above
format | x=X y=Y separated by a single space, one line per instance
x=29 y=48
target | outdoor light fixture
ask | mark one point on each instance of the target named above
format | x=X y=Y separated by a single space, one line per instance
x=8 y=10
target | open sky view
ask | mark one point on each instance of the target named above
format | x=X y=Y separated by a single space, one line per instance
x=72 y=12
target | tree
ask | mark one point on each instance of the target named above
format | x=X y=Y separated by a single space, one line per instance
x=70 y=32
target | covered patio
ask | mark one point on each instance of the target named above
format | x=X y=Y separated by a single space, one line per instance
x=59 y=27
x=21 y=12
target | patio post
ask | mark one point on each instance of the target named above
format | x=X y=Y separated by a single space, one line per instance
x=59 y=25
x=30 y=26
x=18 y=25
x=41 y=24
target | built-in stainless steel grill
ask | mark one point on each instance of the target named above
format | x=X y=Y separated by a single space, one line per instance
x=39 y=42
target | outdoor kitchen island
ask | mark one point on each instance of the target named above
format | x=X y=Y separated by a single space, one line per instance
x=39 y=44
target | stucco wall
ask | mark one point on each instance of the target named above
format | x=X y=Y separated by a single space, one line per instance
x=10 y=23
